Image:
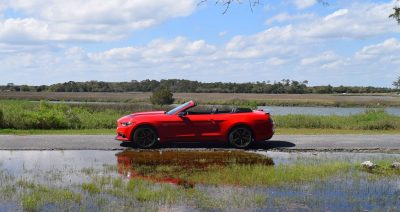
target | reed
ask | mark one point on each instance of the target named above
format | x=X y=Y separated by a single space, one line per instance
x=25 y=115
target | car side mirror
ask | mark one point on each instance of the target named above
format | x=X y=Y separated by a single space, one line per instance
x=182 y=113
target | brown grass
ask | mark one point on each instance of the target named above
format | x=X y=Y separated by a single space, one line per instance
x=77 y=96
x=218 y=98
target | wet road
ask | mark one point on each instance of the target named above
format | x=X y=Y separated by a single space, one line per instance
x=278 y=142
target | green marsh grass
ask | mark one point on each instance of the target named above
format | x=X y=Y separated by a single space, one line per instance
x=252 y=175
x=372 y=119
x=88 y=171
x=40 y=195
x=383 y=169
x=23 y=117
x=43 y=115
x=92 y=188
x=145 y=191
x=8 y=191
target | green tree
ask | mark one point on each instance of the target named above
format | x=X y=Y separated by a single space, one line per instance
x=162 y=96
x=25 y=88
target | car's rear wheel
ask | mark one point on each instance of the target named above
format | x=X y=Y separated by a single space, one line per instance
x=145 y=137
x=240 y=137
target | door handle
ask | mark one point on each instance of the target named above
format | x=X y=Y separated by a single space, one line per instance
x=212 y=121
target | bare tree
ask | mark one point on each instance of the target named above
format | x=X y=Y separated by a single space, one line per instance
x=252 y=3
x=227 y=3
x=396 y=83
x=396 y=14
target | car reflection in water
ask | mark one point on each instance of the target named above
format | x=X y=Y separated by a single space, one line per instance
x=169 y=166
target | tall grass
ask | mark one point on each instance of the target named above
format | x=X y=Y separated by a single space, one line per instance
x=1 y=118
x=16 y=114
x=43 y=115
x=371 y=119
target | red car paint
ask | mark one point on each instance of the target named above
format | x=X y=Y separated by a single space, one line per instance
x=178 y=126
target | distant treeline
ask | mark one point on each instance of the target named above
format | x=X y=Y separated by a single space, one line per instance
x=180 y=85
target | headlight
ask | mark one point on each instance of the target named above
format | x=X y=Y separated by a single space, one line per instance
x=125 y=124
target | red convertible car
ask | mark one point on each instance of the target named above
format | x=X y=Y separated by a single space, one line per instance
x=238 y=126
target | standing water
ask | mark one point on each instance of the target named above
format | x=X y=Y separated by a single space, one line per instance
x=196 y=181
x=323 y=111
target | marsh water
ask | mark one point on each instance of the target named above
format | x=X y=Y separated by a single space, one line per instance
x=71 y=169
x=324 y=111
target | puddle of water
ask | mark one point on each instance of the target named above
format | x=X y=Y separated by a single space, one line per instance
x=143 y=164
x=146 y=179
x=64 y=165
x=322 y=157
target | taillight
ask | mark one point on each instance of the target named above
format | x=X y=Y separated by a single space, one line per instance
x=271 y=121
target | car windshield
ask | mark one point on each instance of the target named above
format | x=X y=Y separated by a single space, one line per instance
x=178 y=108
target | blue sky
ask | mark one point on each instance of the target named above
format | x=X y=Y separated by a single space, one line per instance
x=344 y=43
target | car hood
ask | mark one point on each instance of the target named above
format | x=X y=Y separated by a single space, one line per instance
x=150 y=113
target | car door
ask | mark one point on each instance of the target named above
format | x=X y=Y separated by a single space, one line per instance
x=204 y=126
x=178 y=128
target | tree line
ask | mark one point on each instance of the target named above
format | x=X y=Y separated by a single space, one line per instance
x=284 y=86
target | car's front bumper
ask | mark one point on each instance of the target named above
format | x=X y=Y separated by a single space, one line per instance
x=123 y=133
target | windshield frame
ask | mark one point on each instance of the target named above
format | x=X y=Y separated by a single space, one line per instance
x=181 y=107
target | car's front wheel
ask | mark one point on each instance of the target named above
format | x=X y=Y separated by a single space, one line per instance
x=240 y=137
x=145 y=137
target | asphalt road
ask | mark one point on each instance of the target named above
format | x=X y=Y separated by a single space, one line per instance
x=278 y=142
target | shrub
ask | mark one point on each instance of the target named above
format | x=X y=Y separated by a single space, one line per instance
x=161 y=96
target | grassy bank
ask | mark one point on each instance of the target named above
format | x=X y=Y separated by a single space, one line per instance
x=23 y=117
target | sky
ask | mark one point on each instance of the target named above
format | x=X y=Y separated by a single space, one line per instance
x=342 y=43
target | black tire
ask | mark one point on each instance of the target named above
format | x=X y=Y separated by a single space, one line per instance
x=145 y=137
x=240 y=137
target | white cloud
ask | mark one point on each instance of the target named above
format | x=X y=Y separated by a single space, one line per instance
x=326 y=57
x=23 y=30
x=94 y=20
x=222 y=34
x=336 y=14
x=311 y=47
x=271 y=42
x=274 y=61
x=387 y=51
x=285 y=17
x=356 y=22
x=302 y=4
x=159 y=50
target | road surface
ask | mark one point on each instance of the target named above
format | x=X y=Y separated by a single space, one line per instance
x=278 y=142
